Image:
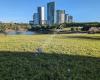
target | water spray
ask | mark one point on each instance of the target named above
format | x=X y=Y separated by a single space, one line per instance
x=47 y=41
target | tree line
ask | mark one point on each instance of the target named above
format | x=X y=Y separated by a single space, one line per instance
x=85 y=26
x=25 y=26
x=14 y=26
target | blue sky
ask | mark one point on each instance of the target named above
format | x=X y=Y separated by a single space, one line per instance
x=22 y=10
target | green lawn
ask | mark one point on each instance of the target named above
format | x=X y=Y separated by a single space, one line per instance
x=66 y=57
x=73 y=44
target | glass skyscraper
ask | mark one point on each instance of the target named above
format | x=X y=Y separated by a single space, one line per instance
x=51 y=13
x=41 y=15
x=35 y=19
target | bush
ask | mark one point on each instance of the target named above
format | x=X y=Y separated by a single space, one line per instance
x=73 y=29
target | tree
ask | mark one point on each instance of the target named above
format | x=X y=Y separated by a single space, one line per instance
x=73 y=29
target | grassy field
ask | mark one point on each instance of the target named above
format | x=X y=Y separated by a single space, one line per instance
x=73 y=44
x=66 y=57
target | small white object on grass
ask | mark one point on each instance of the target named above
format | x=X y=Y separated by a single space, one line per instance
x=39 y=50
x=69 y=70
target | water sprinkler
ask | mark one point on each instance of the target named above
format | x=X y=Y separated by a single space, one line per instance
x=39 y=50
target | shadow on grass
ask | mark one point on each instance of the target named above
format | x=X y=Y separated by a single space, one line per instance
x=47 y=66
x=85 y=37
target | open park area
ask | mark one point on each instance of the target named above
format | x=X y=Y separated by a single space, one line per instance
x=63 y=57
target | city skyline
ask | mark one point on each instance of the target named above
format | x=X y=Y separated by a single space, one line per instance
x=53 y=16
x=21 y=11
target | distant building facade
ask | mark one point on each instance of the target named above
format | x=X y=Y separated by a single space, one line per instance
x=66 y=18
x=70 y=19
x=31 y=22
x=60 y=16
x=41 y=15
x=51 y=13
x=35 y=19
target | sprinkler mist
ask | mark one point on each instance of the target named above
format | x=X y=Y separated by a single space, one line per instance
x=40 y=49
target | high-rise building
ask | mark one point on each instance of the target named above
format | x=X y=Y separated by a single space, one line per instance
x=35 y=19
x=41 y=15
x=60 y=17
x=70 y=19
x=51 y=13
x=66 y=18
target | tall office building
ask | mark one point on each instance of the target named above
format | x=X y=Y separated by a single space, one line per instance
x=70 y=19
x=35 y=19
x=66 y=18
x=41 y=15
x=60 y=17
x=51 y=13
